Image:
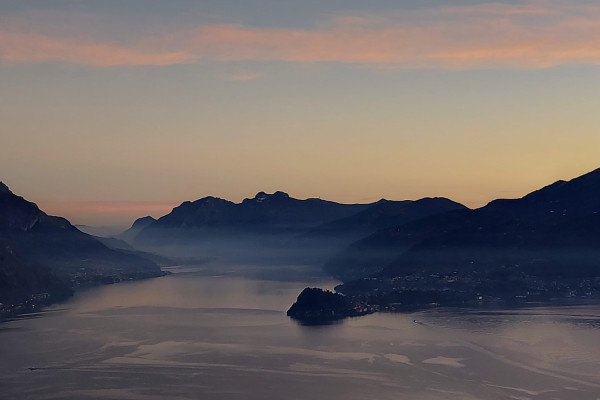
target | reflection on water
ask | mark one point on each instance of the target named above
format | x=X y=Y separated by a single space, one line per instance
x=221 y=334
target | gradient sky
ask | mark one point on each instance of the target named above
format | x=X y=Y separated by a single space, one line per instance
x=113 y=110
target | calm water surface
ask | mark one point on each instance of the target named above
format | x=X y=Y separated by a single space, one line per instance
x=208 y=333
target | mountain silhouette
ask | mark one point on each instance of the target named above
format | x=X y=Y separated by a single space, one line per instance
x=265 y=213
x=45 y=257
x=276 y=227
x=540 y=231
x=139 y=224
x=552 y=231
x=538 y=247
x=257 y=229
x=385 y=213
x=380 y=215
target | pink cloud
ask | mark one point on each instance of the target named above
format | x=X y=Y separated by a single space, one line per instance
x=340 y=44
x=35 y=48
x=530 y=34
x=488 y=43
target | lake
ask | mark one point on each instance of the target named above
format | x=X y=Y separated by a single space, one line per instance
x=222 y=333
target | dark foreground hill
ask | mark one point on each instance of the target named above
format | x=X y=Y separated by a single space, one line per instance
x=543 y=246
x=43 y=258
x=552 y=231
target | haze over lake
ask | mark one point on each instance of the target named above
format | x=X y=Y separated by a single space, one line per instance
x=222 y=333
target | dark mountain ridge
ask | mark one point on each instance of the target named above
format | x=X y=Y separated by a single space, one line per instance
x=257 y=229
x=276 y=227
x=265 y=213
x=540 y=231
x=559 y=213
x=542 y=246
x=385 y=213
x=44 y=257
x=384 y=216
x=139 y=224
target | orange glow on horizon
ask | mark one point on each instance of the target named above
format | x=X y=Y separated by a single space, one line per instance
x=105 y=213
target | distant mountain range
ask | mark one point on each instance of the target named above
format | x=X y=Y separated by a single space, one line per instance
x=42 y=258
x=276 y=213
x=274 y=227
x=389 y=254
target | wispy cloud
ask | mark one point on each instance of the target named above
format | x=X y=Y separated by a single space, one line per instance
x=531 y=34
x=35 y=48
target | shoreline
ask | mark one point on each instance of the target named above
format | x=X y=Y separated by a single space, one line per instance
x=37 y=302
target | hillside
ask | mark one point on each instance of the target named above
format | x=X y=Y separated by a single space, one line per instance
x=539 y=247
x=44 y=257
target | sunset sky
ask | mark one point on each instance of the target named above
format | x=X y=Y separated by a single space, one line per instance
x=112 y=110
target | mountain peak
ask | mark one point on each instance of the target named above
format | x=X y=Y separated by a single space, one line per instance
x=262 y=196
x=281 y=194
x=141 y=223
x=4 y=188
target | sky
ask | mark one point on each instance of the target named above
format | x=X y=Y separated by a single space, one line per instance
x=113 y=110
